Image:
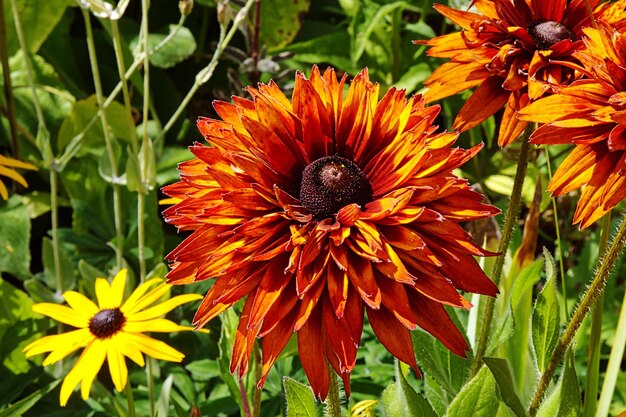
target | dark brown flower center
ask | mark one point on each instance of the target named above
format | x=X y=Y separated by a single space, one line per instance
x=545 y=34
x=106 y=323
x=332 y=182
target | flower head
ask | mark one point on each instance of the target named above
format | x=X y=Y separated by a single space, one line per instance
x=591 y=115
x=514 y=52
x=112 y=329
x=7 y=169
x=321 y=208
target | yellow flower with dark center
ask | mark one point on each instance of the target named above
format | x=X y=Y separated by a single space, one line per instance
x=591 y=114
x=7 y=169
x=514 y=52
x=321 y=208
x=112 y=330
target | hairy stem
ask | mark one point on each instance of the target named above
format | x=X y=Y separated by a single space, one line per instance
x=509 y=222
x=333 y=402
x=595 y=338
x=594 y=290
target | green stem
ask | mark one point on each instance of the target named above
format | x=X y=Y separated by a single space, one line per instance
x=594 y=289
x=595 y=338
x=8 y=91
x=396 y=44
x=117 y=198
x=130 y=400
x=509 y=223
x=121 y=69
x=206 y=73
x=558 y=237
x=333 y=402
x=613 y=368
x=256 y=401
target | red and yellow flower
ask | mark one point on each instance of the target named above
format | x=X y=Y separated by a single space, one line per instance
x=323 y=207
x=591 y=114
x=514 y=52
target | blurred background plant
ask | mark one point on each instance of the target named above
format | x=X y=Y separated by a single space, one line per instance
x=102 y=99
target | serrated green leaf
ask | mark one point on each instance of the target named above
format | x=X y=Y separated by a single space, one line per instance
x=25 y=404
x=281 y=21
x=477 y=398
x=299 y=398
x=449 y=370
x=15 y=238
x=502 y=330
x=502 y=374
x=546 y=320
x=399 y=399
x=570 y=404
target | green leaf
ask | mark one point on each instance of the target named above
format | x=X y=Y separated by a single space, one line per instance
x=281 y=21
x=300 y=399
x=477 y=398
x=502 y=374
x=546 y=320
x=227 y=338
x=89 y=273
x=502 y=330
x=414 y=76
x=15 y=238
x=332 y=48
x=447 y=369
x=204 y=369
x=39 y=292
x=37 y=18
x=400 y=399
x=364 y=34
x=133 y=174
x=180 y=47
x=525 y=280
x=163 y=402
x=25 y=404
x=570 y=404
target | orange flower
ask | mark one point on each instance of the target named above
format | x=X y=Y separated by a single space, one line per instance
x=591 y=113
x=320 y=208
x=514 y=52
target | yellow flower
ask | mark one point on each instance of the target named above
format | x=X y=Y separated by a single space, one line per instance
x=112 y=329
x=6 y=169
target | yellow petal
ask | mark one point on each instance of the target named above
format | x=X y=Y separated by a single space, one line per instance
x=81 y=303
x=128 y=349
x=104 y=294
x=63 y=314
x=164 y=308
x=117 y=365
x=129 y=304
x=154 y=325
x=3 y=191
x=146 y=300
x=16 y=163
x=92 y=367
x=13 y=174
x=79 y=339
x=155 y=348
x=53 y=342
x=117 y=288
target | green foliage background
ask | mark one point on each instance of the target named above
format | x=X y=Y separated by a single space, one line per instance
x=292 y=35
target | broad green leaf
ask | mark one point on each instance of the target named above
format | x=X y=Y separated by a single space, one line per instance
x=37 y=18
x=82 y=115
x=12 y=385
x=39 y=292
x=281 y=21
x=449 y=370
x=25 y=404
x=177 y=49
x=414 y=76
x=502 y=374
x=332 y=48
x=299 y=398
x=502 y=330
x=526 y=279
x=204 y=369
x=89 y=273
x=15 y=238
x=477 y=398
x=400 y=399
x=169 y=159
x=546 y=320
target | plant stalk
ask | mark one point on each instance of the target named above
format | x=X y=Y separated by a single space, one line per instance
x=117 y=198
x=8 y=91
x=509 y=222
x=333 y=402
x=594 y=289
x=595 y=338
x=130 y=400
